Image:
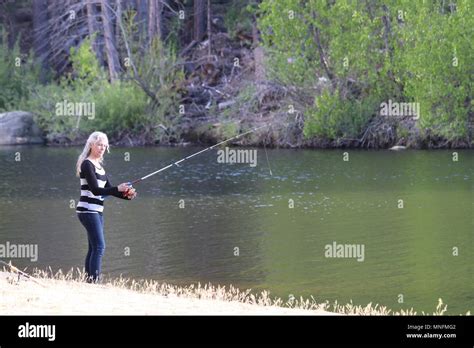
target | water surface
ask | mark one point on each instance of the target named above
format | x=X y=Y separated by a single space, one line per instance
x=408 y=251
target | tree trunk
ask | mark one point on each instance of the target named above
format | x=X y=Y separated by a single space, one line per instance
x=317 y=39
x=94 y=32
x=259 y=56
x=209 y=28
x=155 y=10
x=151 y=20
x=110 y=47
x=118 y=11
x=41 y=36
x=159 y=19
x=142 y=19
x=199 y=19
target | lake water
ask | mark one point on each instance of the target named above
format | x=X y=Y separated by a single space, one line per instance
x=237 y=225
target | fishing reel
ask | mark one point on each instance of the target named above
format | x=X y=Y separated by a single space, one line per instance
x=130 y=192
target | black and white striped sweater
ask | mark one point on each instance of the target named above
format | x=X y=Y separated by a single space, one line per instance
x=95 y=185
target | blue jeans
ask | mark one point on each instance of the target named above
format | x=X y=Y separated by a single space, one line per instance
x=94 y=224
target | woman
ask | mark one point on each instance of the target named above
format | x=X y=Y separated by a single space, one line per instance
x=95 y=185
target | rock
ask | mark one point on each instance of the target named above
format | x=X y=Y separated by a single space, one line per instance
x=398 y=148
x=18 y=127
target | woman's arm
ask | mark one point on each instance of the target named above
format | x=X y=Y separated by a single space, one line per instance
x=118 y=194
x=89 y=173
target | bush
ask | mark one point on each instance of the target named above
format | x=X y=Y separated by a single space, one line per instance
x=436 y=65
x=371 y=52
x=120 y=107
x=42 y=103
x=159 y=70
x=333 y=117
x=14 y=80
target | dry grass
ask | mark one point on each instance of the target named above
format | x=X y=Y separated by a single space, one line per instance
x=48 y=278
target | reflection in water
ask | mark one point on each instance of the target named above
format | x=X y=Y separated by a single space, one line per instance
x=234 y=224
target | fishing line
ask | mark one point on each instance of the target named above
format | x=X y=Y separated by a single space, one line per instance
x=266 y=155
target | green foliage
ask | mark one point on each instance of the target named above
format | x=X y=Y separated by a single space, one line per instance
x=42 y=102
x=292 y=54
x=43 y=99
x=374 y=51
x=121 y=107
x=16 y=75
x=229 y=130
x=436 y=63
x=333 y=117
x=156 y=71
x=159 y=71
x=296 y=33
x=84 y=61
x=173 y=40
x=117 y=107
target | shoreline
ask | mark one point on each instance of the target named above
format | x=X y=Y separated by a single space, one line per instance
x=45 y=293
x=280 y=136
x=396 y=148
x=71 y=297
x=258 y=133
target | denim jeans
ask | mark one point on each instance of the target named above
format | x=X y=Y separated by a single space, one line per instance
x=94 y=224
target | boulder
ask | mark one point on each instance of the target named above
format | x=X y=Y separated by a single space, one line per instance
x=19 y=127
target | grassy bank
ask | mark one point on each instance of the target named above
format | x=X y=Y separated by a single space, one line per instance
x=67 y=293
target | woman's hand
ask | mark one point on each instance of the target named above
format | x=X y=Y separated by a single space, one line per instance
x=130 y=193
x=123 y=187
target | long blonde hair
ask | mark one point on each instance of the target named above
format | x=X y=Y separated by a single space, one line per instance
x=93 y=138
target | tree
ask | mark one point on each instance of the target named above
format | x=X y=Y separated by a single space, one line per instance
x=110 y=46
x=155 y=20
x=142 y=17
x=94 y=32
x=372 y=51
x=40 y=36
x=199 y=19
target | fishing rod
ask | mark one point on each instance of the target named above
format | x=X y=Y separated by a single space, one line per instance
x=21 y=273
x=131 y=183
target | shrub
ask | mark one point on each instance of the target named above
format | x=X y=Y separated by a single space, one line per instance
x=333 y=117
x=371 y=52
x=17 y=73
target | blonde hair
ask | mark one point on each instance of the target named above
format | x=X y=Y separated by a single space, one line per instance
x=93 y=139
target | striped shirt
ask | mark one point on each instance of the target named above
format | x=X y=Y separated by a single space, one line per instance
x=95 y=185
